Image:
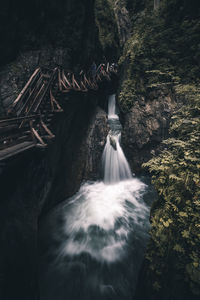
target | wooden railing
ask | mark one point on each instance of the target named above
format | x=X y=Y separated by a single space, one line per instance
x=29 y=116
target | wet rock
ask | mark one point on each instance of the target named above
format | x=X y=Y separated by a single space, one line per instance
x=95 y=141
x=40 y=34
x=123 y=21
x=145 y=126
x=113 y=142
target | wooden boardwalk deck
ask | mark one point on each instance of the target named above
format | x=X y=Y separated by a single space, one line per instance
x=15 y=150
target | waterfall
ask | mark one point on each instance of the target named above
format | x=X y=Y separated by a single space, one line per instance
x=112 y=107
x=92 y=245
x=115 y=165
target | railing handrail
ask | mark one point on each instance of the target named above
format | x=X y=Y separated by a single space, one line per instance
x=29 y=111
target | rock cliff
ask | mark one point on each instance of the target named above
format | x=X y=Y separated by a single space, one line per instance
x=58 y=33
x=146 y=125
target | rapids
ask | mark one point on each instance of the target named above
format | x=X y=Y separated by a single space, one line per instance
x=92 y=245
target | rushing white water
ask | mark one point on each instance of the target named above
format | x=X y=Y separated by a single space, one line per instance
x=112 y=108
x=99 y=217
x=115 y=165
x=97 y=237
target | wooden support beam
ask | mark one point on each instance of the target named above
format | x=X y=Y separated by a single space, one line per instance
x=38 y=137
x=30 y=96
x=25 y=87
x=75 y=83
x=59 y=80
x=17 y=119
x=47 y=129
x=29 y=109
x=66 y=80
x=107 y=69
x=47 y=87
x=84 y=89
x=53 y=100
x=86 y=81
x=64 y=85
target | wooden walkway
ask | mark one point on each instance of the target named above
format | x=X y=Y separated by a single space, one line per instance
x=28 y=120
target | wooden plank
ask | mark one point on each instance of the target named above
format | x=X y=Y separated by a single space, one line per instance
x=26 y=86
x=107 y=69
x=31 y=106
x=46 y=89
x=34 y=90
x=15 y=150
x=4 y=122
x=59 y=80
x=15 y=135
x=36 y=98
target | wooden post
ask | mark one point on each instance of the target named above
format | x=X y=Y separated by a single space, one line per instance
x=65 y=79
x=36 y=134
x=47 y=129
x=59 y=80
x=75 y=83
x=53 y=100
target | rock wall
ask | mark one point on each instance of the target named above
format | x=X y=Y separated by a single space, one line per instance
x=95 y=142
x=159 y=67
x=31 y=25
x=33 y=183
x=15 y=74
x=46 y=34
x=146 y=125
x=60 y=33
x=123 y=20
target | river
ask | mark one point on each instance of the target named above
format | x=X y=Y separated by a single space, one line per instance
x=92 y=245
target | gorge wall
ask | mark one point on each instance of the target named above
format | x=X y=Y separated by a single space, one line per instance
x=159 y=63
x=46 y=34
x=159 y=100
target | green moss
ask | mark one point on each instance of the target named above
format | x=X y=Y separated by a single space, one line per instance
x=161 y=49
x=127 y=96
x=175 y=229
x=108 y=32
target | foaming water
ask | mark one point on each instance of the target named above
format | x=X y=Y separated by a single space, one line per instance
x=99 y=217
x=92 y=245
x=115 y=165
x=112 y=108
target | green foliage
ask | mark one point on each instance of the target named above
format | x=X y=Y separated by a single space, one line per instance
x=176 y=175
x=106 y=23
x=161 y=49
x=127 y=95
